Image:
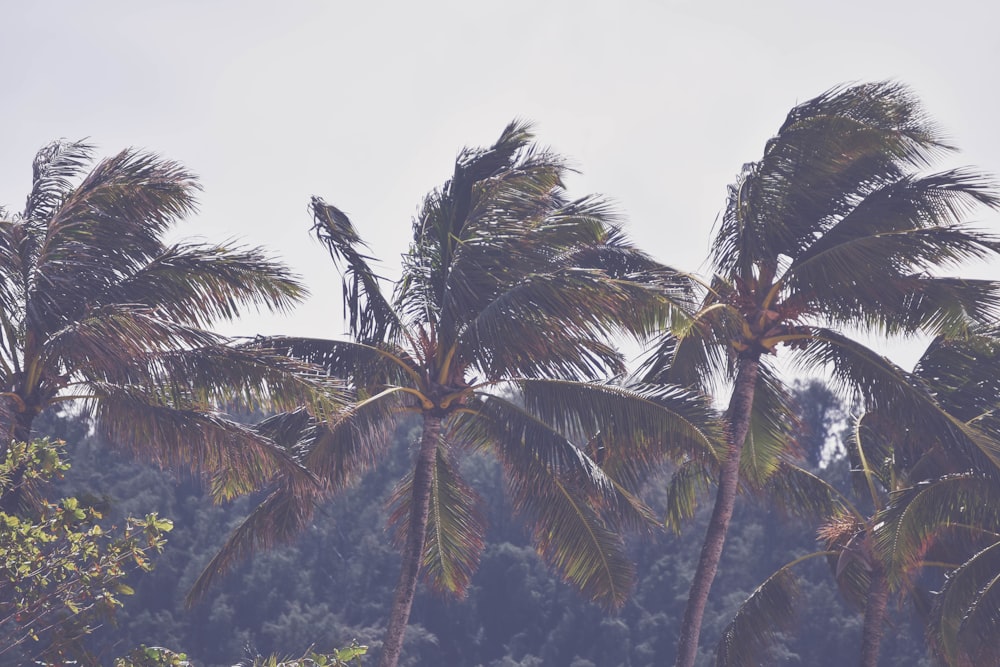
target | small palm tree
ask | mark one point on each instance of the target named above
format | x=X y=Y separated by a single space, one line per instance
x=95 y=307
x=949 y=511
x=833 y=231
x=495 y=338
x=933 y=498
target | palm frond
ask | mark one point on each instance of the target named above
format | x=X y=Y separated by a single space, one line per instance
x=123 y=206
x=500 y=257
x=535 y=327
x=696 y=353
x=106 y=227
x=354 y=438
x=54 y=169
x=851 y=567
x=576 y=541
x=909 y=401
x=504 y=428
x=568 y=498
x=278 y=519
x=239 y=459
x=908 y=225
x=768 y=612
x=358 y=363
x=769 y=439
x=691 y=480
x=800 y=493
x=885 y=387
x=199 y=283
x=455 y=527
x=510 y=180
x=372 y=319
x=639 y=426
x=958 y=506
x=964 y=374
x=236 y=376
x=966 y=612
x=782 y=203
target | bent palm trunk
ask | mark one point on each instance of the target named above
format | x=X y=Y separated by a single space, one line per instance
x=740 y=406
x=413 y=550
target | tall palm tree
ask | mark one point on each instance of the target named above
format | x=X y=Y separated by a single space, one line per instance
x=495 y=338
x=96 y=308
x=835 y=230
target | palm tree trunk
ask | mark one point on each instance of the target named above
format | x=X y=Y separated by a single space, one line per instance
x=875 y=613
x=740 y=406
x=413 y=550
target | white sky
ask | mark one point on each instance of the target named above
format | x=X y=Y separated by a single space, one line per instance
x=368 y=103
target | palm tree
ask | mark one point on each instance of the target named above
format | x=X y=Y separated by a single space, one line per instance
x=96 y=308
x=851 y=537
x=934 y=504
x=949 y=510
x=833 y=231
x=495 y=338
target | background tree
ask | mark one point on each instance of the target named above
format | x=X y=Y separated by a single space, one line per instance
x=947 y=513
x=834 y=230
x=507 y=285
x=61 y=573
x=95 y=307
x=928 y=505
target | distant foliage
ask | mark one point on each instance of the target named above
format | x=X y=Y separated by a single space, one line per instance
x=337 y=577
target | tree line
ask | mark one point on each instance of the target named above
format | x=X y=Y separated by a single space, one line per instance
x=496 y=345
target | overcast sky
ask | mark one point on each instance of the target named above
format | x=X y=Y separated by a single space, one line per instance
x=658 y=104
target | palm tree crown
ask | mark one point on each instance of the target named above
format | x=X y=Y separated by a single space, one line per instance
x=95 y=307
x=494 y=336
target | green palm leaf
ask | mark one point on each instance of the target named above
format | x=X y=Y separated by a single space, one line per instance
x=239 y=459
x=282 y=516
x=559 y=487
x=355 y=438
x=803 y=494
x=455 y=527
x=53 y=171
x=639 y=425
x=772 y=423
x=365 y=364
x=958 y=504
x=199 y=283
x=371 y=316
x=760 y=621
x=690 y=480
x=968 y=607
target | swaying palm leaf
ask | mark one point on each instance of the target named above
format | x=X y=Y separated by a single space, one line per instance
x=278 y=519
x=455 y=529
x=967 y=611
x=760 y=621
x=919 y=515
x=690 y=480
